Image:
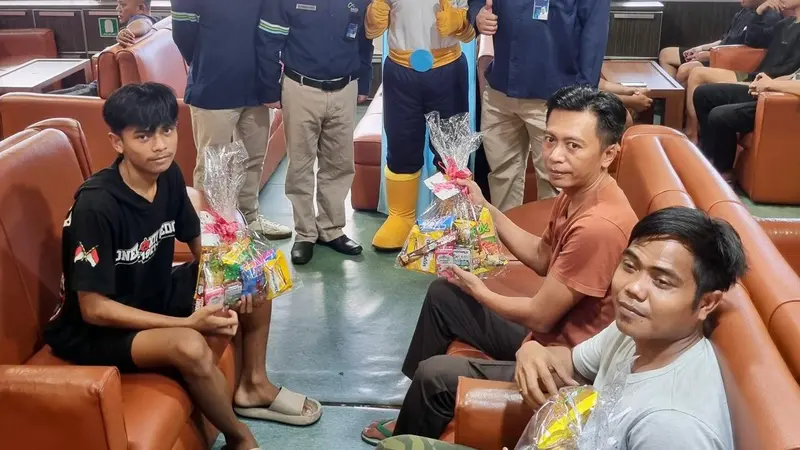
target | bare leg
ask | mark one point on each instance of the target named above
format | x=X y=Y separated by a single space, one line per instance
x=670 y=59
x=698 y=76
x=255 y=389
x=684 y=70
x=186 y=350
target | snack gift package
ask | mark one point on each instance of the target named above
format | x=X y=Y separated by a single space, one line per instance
x=235 y=261
x=580 y=417
x=452 y=230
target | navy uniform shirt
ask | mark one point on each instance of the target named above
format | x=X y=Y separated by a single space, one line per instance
x=218 y=42
x=308 y=36
x=534 y=58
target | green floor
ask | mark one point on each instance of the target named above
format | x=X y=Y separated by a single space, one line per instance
x=341 y=337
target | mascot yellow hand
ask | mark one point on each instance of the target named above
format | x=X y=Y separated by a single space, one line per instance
x=377 y=18
x=449 y=20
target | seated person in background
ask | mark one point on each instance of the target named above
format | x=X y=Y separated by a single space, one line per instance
x=680 y=61
x=135 y=14
x=123 y=303
x=727 y=110
x=782 y=41
x=635 y=99
x=577 y=254
x=671 y=278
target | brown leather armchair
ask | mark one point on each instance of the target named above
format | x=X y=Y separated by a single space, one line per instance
x=659 y=167
x=45 y=402
x=763 y=156
x=21 y=45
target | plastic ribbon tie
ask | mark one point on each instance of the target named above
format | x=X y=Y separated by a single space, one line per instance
x=223 y=228
x=452 y=173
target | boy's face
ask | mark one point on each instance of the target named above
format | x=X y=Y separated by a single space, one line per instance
x=573 y=153
x=127 y=9
x=654 y=291
x=149 y=152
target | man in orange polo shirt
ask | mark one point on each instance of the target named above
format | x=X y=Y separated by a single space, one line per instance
x=577 y=254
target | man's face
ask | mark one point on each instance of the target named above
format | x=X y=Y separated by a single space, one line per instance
x=654 y=290
x=127 y=9
x=149 y=152
x=573 y=152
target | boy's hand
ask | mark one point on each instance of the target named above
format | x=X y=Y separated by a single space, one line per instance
x=534 y=364
x=475 y=194
x=125 y=38
x=214 y=319
x=466 y=281
x=249 y=302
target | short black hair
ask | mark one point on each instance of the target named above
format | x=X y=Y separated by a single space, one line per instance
x=719 y=257
x=608 y=108
x=146 y=107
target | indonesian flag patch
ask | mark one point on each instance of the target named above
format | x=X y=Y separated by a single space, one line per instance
x=89 y=256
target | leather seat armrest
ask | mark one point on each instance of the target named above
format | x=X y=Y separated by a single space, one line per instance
x=489 y=414
x=51 y=406
x=785 y=234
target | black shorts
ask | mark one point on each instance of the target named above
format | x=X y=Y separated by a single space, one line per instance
x=103 y=346
x=683 y=60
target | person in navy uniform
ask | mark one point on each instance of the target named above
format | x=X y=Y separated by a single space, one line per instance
x=540 y=46
x=327 y=66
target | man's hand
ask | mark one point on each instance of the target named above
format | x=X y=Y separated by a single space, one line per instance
x=534 y=364
x=466 y=281
x=448 y=19
x=688 y=55
x=760 y=84
x=640 y=102
x=276 y=105
x=486 y=20
x=475 y=194
x=125 y=38
x=777 y=5
x=214 y=319
x=362 y=99
x=249 y=302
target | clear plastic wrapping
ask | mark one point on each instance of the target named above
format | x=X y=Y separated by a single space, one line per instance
x=235 y=260
x=452 y=230
x=579 y=417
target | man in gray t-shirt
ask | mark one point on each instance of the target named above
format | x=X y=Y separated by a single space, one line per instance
x=670 y=279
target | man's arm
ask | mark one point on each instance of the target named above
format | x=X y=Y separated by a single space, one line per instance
x=760 y=32
x=185 y=25
x=539 y=313
x=100 y=310
x=140 y=27
x=529 y=249
x=196 y=247
x=273 y=32
x=784 y=85
x=593 y=15
x=366 y=48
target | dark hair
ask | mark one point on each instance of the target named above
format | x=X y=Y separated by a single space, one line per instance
x=608 y=108
x=145 y=107
x=719 y=258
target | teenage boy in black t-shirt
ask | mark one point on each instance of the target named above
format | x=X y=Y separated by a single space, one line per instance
x=123 y=303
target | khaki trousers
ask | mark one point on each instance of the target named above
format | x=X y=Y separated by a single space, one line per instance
x=512 y=129
x=222 y=126
x=319 y=128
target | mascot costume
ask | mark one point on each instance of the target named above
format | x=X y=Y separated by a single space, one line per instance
x=425 y=69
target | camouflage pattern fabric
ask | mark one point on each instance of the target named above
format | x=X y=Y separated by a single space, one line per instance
x=408 y=442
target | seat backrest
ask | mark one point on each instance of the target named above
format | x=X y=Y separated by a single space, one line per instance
x=645 y=174
x=38 y=178
x=30 y=42
x=154 y=59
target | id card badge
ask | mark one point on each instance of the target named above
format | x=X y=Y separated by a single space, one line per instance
x=540 y=9
x=352 y=28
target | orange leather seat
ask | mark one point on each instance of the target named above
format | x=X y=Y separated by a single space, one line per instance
x=760 y=165
x=45 y=402
x=659 y=167
x=19 y=46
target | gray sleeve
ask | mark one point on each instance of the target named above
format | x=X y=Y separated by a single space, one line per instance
x=587 y=355
x=673 y=429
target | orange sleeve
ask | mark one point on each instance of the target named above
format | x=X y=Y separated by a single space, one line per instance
x=590 y=255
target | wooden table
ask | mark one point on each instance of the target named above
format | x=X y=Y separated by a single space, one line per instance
x=38 y=74
x=661 y=86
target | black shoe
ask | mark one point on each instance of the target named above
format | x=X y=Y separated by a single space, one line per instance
x=302 y=252
x=343 y=244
